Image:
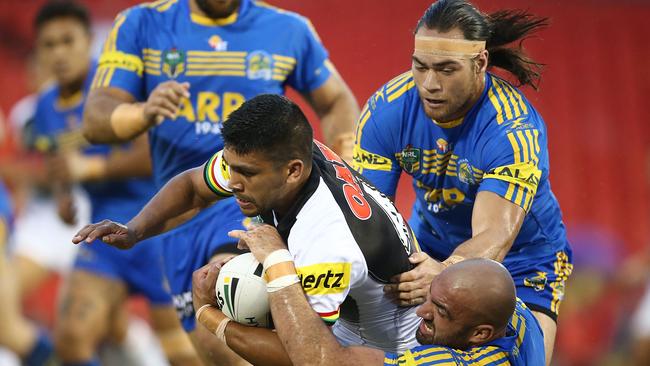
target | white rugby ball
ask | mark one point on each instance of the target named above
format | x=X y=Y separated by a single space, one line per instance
x=241 y=292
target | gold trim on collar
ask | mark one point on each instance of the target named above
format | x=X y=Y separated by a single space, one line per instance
x=210 y=22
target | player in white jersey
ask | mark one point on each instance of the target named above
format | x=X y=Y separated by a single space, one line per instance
x=345 y=237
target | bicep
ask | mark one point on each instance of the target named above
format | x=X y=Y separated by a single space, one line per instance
x=325 y=96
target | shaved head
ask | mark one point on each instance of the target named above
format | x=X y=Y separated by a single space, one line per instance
x=470 y=303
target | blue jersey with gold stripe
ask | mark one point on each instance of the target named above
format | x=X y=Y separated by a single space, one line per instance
x=522 y=345
x=498 y=146
x=6 y=215
x=57 y=126
x=259 y=49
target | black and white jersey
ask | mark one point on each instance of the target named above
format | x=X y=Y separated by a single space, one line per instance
x=347 y=240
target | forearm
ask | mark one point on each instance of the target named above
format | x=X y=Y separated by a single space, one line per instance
x=339 y=119
x=111 y=117
x=164 y=211
x=128 y=163
x=259 y=346
x=492 y=244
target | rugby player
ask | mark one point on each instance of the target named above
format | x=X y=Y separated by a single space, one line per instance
x=477 y=151
x=333 y=223
x=102 y=277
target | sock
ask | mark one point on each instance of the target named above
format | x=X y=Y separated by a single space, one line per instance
x=42 y=351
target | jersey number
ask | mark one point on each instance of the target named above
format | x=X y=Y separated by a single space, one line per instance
x=353 y=194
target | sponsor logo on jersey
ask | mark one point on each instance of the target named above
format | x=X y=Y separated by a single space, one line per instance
x=368 y=160
x=410 y=159
x=537 y=282
x=466 y=172
x=259 y=65
x=173 y=63
x=442 y=145
x=520 y=124
x=217 y=44
x=325 y=278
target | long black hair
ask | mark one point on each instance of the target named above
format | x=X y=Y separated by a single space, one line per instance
x=498 y=30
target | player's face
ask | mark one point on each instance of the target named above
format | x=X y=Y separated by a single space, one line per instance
x=442 y=319
x=218 y=8
x=256 y=181
x=448 y=86
x=64 y=44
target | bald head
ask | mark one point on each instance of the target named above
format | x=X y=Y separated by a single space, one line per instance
x=484 y=288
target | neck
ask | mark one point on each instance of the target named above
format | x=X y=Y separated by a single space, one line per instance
x=196 y=9
x=71 y=88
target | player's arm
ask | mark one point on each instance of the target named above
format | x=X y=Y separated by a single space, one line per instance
x=302 y=337
x=513 y=171
x=338 y=111
x=112 y=112
x=111 y=115
x=184 y=193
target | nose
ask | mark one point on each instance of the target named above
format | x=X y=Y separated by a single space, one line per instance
x=424 y=311
x=431 y=82
x=235 y=183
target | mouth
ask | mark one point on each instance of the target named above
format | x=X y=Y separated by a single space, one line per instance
x=433 y=103
x=244 y=203
x=425 y=328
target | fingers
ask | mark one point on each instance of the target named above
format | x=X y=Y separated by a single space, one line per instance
x=412 y=302
x=418 y=257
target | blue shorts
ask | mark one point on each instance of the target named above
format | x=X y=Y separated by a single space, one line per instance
x=539 y=275
x=140 y=267
x=190 y=246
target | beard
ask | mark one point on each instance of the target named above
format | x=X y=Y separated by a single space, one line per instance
x=215 y=11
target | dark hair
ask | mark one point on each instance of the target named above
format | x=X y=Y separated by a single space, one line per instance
x=497 y=29
x=62 y=9
x=271 y=124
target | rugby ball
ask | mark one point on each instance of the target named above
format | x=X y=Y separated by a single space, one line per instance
x=241 y=292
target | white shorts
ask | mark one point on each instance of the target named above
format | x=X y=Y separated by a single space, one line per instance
x=641 y=319
x=41 y=236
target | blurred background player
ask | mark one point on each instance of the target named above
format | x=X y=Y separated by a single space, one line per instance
x=181 y=84
x=92 y=301
x=477 y=152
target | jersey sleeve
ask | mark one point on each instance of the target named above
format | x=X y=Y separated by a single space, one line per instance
x=216 y=174
x=512 y=164
x=312 y=67
x=374 y=151
x=123 y=58
x=445 y=356
x=329 y=265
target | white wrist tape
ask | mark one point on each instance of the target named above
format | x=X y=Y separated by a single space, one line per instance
x=220 y=332
x=282 y=282
x=198 y=313
x=279 y=256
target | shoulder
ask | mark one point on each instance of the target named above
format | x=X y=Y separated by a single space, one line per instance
x=45 y=99
x=390 y=101
x=156 y=11
x=280 y=16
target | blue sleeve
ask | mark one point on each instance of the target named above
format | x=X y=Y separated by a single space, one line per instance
x=40 y=133
x=511 y=160
x=313 y=67
x=123 y=59
x=374 y=153
x=430 y=355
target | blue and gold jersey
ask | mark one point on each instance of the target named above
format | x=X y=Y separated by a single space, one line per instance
x=523 y=345
x=57 y=126
x=259 y=49
x=499 y=146
x=6 y=216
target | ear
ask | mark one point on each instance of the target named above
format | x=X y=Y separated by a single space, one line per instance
x=295 y=170
x=482 y=61
x=481 y=334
